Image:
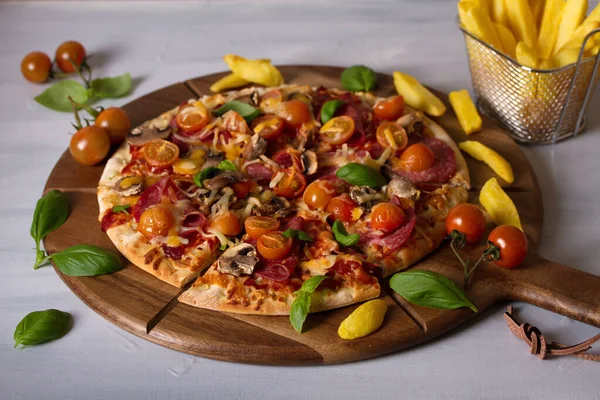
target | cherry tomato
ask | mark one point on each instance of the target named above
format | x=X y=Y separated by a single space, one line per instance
x=258 y=226
x=386 y=217
x=318 y=194
x=115 y=122
x=89 y=145
x=390 y=109
x=36 y=67
x=273 y=245
x=295 y=112
x=467 y=219
x=160 y=153
x=228 y=223
x=69 y=52
x=337 y=130
x=268 y=126
x=417 y=158
x=241 y=189
x=271 y=100
x=291 y=185
x=156 y=221
x=192 y=117
x=512 y=243
x=341 y=207
x=390 y=134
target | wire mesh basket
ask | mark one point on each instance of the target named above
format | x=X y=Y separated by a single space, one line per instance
x=536 y=106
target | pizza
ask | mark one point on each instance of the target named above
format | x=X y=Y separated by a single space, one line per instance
x=246 y=195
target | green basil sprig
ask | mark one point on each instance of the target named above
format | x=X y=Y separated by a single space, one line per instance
x=85 y=260
x=226 y=165
x=430 y=289
x=211 y=172
x=51 y=211
x=342 y=236
x=361 y=175
x=297 y=234
x=359 y=78
x=42 y=326
x=301 y=305
x=329 y=108
x=247 y=112
x=121 y=208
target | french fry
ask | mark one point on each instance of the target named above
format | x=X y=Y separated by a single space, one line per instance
x=565 y=57
x=548 y=31
x=230 y=81
x=509 y=43
x=255 y=71
x=526 y=56
x=485 y=4
x=577 y=43
x=418 y=96
x=594 y=15
x=594 y=51
x=499 y=12
x=495 y=161
x=478 y=23
x=546 y=65
x=522 y=23
x=573 y=15
x=465 y=111
x=537 y=9
x=496 y=202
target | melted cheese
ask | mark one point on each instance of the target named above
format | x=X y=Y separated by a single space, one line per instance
x=319 y=266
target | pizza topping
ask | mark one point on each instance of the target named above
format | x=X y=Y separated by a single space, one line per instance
x=277 y=270
x=112 y=219
x=361 y=175
x=441 y=169
x=238 y=260
x=223 y=179
x=191 y=118
x=309 y=162
x=276 y=207
x=401 y=187
x=390 y=134
x=257 y=226
x=255 y=148
x=228 y=223
x=143 y=134
x=130 y=185
x=165 y=187
x=259 y=172
x=397 y=238
x=386 y=217
x=160 y=153
x=156 y=221
x=389 y=109
x=337 y=130
x=273 y=245
x=268 y=126
x=366 y=197
x=341 y=207
x=213 y=158
x=318 y=194
x=291 y=185
x=412 y=122
x=193 y=219
x=295 y=112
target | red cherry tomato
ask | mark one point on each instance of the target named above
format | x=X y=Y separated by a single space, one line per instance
x=192 y=117
x=36 y=67
x=390 y=134
x=257 y=226
x=386 y=217
x=512 y=243
x=274 y=246
x=390 y=109
x=291 y=185
x=160 y=153
x=337 y=130
x=228 y=223
x=417 y=158
x=341 y=207
x=268 y=126
x=115 y=122
x=467 y=219
x=69 y=53
x=241 y=189
x=89 y=145
x=295 y=112
x=318 y=194
x=156 y=221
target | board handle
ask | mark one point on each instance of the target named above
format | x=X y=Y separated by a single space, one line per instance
x=556 y=287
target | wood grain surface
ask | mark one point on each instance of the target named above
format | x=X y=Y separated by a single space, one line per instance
x=131 y=298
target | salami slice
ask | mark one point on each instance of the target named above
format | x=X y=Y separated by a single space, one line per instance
x=154 y=194
x=442 y=169
x=277 y=270
x=397 y=238
x=259 y=171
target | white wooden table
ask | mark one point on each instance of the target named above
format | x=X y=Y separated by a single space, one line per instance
x=162 y=43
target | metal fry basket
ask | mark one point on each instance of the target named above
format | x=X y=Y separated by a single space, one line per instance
x=536 y=106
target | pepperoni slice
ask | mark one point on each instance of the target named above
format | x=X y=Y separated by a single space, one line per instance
x=259 y=171
x=277 y=270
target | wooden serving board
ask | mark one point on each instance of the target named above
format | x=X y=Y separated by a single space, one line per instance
x=132 y=299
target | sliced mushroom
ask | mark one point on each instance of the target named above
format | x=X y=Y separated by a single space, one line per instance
x=412 y=122
x=206 y=198
x=365 y=196
x=145 y=133
x=401 y=187
x=225 y=178
x=255 y=148
x=309 y=162
x=238 y=260
x=277 y=207
x=212 y=158
x=130 y=185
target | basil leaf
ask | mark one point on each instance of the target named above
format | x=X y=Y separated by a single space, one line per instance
x=430 y=289
x=56 y=97
x=311 y=284
x=342 y=237
x=42 y=326
x=111 y=88
x=122 y=208
x=226 y=165
x=361 y=175
x=299 y=310
x=86 y=260
x=206 y=173
x=51 y=211
x=247 y=112
x=359 y=78
x=329 y=108
x=297 y=234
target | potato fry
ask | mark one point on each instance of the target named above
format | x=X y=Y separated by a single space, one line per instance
x=418 y=96
x=495 y=161
x=255 y=71
x=499 y=12
x=565 y=57
x=478 y=23
x=548 y=31
x=577 y=43
x=593 y=52
x=465 y=111
x=594 y=15
x=485 y=4
x=496 y=202
x=537 y=9
x=546 y=65
x=230 y=81
x=522 y=23
x=509 y=43
x=526 y=56
x=573 y=15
